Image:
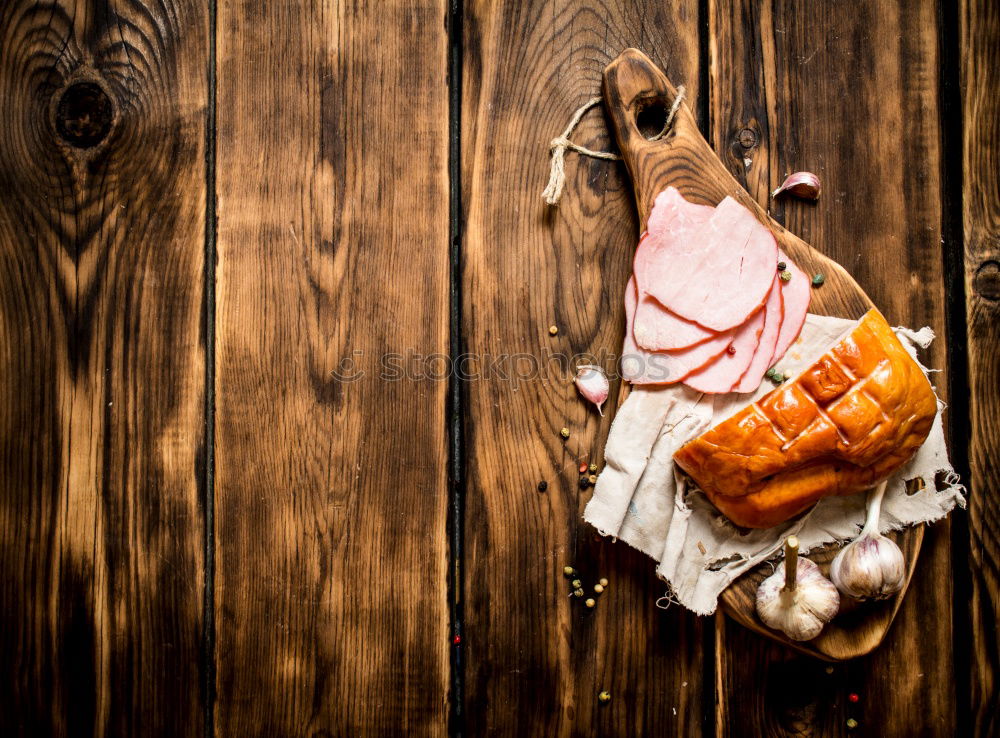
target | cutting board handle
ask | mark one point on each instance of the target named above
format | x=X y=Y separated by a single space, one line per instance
x=634 y=87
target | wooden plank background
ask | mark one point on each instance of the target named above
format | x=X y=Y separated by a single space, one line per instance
x=241 y=245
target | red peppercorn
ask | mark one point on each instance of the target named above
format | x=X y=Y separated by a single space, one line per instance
x=853 y=697
x=583 y=468
x=457 y=639
x=731 y=349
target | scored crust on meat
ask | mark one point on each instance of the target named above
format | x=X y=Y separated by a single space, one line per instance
x=717 y=274
x=847 y=422
x=762 y=357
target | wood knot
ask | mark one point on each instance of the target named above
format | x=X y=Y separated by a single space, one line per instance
x=986 y=281
x=747 y=138
x=84 y=115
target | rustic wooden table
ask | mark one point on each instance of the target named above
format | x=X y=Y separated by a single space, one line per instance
x=241 y=245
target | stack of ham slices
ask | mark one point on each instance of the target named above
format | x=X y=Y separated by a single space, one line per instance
x=706 y=305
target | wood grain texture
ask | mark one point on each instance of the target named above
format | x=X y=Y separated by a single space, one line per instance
x=537 y=659
x=851 y=94
x=331 y=549
x=980 y=46
x=102 y=401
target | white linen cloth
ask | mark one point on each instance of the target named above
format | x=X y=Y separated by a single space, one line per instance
x=643 y=500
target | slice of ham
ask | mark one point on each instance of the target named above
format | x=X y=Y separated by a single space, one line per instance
x=674 y=220
x=716 y=273
x=773 y=313
x=720 y=375
x=658 y=329
x=795 y=294
x=640 y=366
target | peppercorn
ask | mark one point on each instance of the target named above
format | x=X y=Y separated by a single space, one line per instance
x=603 y=582
x=818 y=279
x=770 y=373
x=576 y=584
x=853 y=697
x=584 y=482
x=553 y=330
x=852 y=723
x=604 y=697
x=564 y=432
x=543 y=485
x=593 y=468
x=578 y=593
x=583 y=468
x=785 y=275
x=592 y=479
x=730 y=349
x=777 y=377
x=598 y=588
x=569 y=571
x=590 y=602
x=782 y=266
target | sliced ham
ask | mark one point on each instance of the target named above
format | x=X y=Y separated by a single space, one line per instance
x=720 y=375
x=674 y=220
x=761 y=360
x=795 y=294
x=716 y=273
x=640 y=366
x=658 y=329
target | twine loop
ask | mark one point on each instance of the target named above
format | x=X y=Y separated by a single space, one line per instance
x=558 y=146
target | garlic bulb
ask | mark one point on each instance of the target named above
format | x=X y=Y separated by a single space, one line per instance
x=797 y=599
x=871 y=565
x=592 y=384
x=800 y=184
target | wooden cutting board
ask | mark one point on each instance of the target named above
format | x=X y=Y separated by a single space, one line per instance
x=638 y=97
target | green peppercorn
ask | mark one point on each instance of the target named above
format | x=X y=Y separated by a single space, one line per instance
x=852 y=723
x=598 y=588
x=604 y=697
x=593 y=468
x=769 y=373
x=818 y=279
x=569 y=571
x=564 y=432
x=576 y=584
x=785 y=275
x=604 y=582
x=590 y=602
x=553 y=330
x=578 y=593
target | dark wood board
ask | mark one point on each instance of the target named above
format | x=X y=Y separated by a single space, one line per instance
x=331 y=495
x=980 y=61
x=850 y=93
x=537 y=660
x=102 y=210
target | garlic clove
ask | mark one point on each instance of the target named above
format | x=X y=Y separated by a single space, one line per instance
x=592 y=384
x=800 y=184
x=871 y=566
x=799 y=603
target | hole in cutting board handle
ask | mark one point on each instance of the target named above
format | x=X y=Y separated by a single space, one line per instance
x=651 y=118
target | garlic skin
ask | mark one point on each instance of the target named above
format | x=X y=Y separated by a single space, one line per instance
x=800 y=184
x=592 y=384
x=798 y=605
x=871 y=566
